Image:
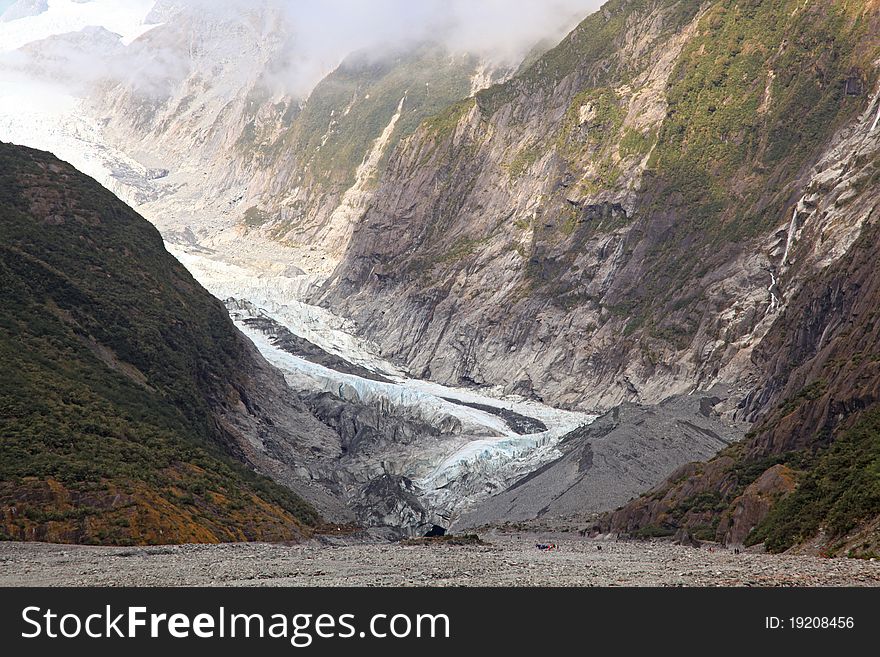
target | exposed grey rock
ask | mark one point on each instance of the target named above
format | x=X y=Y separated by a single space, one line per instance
x=623 y=453
x=519 y=423
x=281 y=438
x=390 y=501
x=683 y=537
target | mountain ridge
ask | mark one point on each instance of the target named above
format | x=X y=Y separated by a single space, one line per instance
x=593 y=279
x=125 y=385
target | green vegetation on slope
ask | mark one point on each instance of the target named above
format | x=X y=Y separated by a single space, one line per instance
x=113 y=357
x=839 y=490
x=753 y=98
x=592 y=50
x=809 y=471
x=759 y=87
x=756 y=93
x=352 y=106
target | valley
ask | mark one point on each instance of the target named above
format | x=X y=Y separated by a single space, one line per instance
x=612 y=272
x=453 y=452
x=460 y=452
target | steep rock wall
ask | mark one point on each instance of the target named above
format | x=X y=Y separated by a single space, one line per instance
x=606 y=225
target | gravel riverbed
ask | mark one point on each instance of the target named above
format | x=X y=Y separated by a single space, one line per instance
x=508 y=560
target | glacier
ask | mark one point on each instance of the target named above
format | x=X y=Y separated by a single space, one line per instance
x=484 y=456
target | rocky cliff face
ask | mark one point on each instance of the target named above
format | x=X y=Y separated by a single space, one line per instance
x=809 y=466
x=195 y=86
x=611 y=223
x=318 y=176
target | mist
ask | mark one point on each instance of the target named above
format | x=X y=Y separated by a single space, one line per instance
x=323 y=32
x=304 y=40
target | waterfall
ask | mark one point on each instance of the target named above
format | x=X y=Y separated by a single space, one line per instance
x=792 y=229
x=773 y=289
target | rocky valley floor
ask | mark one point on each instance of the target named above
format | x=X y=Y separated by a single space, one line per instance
x=507 y=560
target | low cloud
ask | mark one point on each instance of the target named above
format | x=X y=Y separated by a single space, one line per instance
x=323 y=32
x=303 y=40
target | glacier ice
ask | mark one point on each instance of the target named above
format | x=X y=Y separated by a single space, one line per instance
x=484 y=456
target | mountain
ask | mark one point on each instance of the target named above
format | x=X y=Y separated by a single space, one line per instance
x=605 y=225
x=132 y=409
x=664 y=220
x=654 y=207
x=244 y=155
x=326 y=164
x=198 y=115
x=809 y=471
